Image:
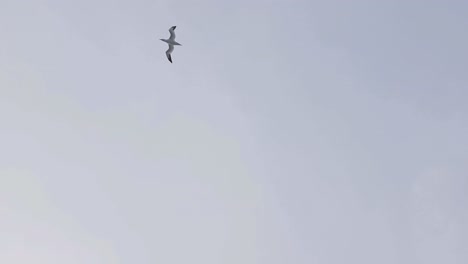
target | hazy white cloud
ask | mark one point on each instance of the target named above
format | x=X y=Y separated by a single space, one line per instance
x=439 y=215
x=284 y=132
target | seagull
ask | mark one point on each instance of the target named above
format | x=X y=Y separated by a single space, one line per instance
x=171 y=41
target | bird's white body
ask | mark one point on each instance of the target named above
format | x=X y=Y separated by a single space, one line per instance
x=171 y=41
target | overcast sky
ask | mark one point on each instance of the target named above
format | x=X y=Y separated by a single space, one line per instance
x=300 y=132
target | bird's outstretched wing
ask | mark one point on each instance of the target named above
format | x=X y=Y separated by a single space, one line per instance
x=168 y=53
x=171 y=30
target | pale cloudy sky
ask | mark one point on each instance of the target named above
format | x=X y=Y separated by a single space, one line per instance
x=284 y=132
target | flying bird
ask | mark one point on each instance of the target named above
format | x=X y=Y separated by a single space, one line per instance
x=171 y=42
